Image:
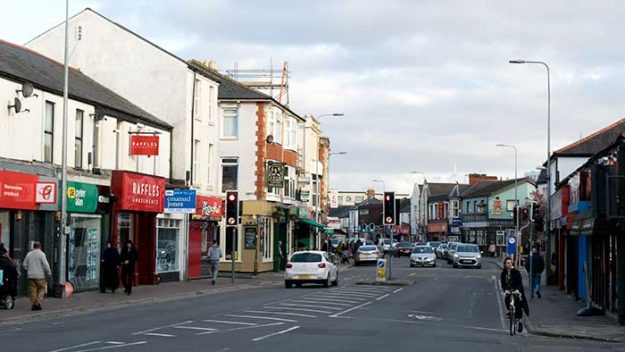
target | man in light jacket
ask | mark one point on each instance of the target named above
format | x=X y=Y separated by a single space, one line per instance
x=214 y=254
x=38 y=269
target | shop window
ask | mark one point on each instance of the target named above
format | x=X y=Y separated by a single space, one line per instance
x=84 y=252
x=265 y=237
x=230 y=171
x=124 y=228
x=232 y=242
x=167 y=234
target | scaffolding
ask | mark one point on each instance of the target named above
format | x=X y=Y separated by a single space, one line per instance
x=273 y=82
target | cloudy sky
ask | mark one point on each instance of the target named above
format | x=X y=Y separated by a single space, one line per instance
x=424 y=85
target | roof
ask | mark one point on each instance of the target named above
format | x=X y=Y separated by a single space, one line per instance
x=483 y=189
x=340 y=212
x=25 y=65
x=369 y=201
x=230 y=89
x=595 y=142
x=404 y=205
x=435 y=189
x=542 y=177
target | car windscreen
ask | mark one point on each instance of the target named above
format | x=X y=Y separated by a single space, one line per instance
x=405 y=244
x=306 y=258
x=387 y=242
x=367 y=248
x=434 y=244
x=422 y=250
x=467 y=249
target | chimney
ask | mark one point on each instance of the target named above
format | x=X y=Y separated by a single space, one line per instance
x=475 y=178
x=370 y=193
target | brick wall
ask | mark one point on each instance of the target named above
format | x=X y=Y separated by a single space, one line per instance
x=261 y=150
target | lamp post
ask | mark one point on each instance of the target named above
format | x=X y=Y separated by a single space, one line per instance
x=418 y=212
x=549 y=182
x=317 y=196
x=516 y=200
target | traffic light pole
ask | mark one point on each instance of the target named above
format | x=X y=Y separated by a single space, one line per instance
x=234 y=236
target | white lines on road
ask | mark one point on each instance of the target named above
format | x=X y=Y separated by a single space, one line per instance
x=162 y=327
x=344 y=296
x=357 y=293
x=308 y=306
x=241 y=328
x=77 y=346
x=193 y=328
x=159 y=335
x=281 y=313
x=299 y=309
x=382 y=297
x=501 y=313
x=228 y=322
x=349 y=310
x=259 y=317
x=110 y=347
x=275 y=333
x=324 y=301
x=398 y=290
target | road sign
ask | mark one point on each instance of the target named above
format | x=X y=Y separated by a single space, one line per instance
x=180 y=201
x=380 y=273
x=511 y=240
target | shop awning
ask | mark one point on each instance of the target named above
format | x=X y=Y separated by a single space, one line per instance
x=586 y=225
x=312 y=223
x=328 y=230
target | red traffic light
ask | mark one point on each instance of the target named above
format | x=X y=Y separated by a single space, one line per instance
x=232 y=197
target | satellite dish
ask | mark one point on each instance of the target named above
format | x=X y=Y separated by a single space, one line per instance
x=17 y=105
x=269 y=138
x=27 y=89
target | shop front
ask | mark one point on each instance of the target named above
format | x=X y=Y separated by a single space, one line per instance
x=27 y=214
x=89 y=209
x=203 y=232
x=438 y=231
x=138 y=199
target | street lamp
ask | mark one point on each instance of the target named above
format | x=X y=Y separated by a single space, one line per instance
x=548 y=210
x=516 y=199
x=419 y=210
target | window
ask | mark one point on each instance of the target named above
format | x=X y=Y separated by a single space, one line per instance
x=340 y=200
x=48 y=133
x=445 y=210
x=229 y=172
x=287 y=133
x=167 y=234
x=271 y=123
x=96 y=144
x=468 y=206
x=210 y=161
x=265 y=238
x=78 y=139
x=211 y=96
x=359 y=199
x=510 y=205
x=278 y=132
x=196 y=99
x=455 y=208
x=294 y=135
x=196 y=169
x=231 y=122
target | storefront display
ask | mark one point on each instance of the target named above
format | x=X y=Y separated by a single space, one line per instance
x=168 y=231
x=84 y=252
x=203 y=232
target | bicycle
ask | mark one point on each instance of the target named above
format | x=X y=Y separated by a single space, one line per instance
x=516 y=295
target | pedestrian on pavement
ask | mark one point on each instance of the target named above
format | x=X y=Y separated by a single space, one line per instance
x=214 y=255
x=9 y=275
x=38 y=270
x=537 y=268
x=129 y=257
x=511 y=280
x=492 y=249
x=110 y=268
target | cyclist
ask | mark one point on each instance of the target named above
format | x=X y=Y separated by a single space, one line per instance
x=511 y=280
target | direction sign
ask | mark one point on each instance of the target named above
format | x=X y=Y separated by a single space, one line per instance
x=511 y=240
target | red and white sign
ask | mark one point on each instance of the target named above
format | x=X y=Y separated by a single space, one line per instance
x=208 y=208
x=137 y=192
x=17 y=190
x=334 y=199
x=45 y=193
x=143 y=145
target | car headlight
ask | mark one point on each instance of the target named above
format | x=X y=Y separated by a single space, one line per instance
x=479 y=256
x=456 y=256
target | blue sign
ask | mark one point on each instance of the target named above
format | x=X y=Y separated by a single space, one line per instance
x=511 y=246
x=381 y=263
x=180 y=201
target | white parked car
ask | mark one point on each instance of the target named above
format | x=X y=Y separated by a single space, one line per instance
x=422 y=256
x=311 y=267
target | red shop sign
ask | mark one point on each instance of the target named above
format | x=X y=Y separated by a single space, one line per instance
x=17 y=190
x=143 y=145
x=137 y=192
x=208 y=208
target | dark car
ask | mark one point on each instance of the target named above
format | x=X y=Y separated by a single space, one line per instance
x=404 y=248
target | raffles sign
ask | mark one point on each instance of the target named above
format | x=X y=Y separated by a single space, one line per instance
x=143 y=145
x=137 y=192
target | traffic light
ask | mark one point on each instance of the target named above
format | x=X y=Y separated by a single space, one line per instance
x=232 y=208
x=524 y=214
x=537 y=217
x=389 y=208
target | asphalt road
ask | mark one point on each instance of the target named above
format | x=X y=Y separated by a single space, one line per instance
x=443 y=310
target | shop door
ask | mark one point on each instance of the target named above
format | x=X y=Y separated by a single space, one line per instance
x=84 y=247
x=145 y=241
x=195 y=249
x=280 y=241
x=571 y=265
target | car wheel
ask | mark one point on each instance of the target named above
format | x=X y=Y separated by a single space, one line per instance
x=288 y=284
x=411 y=265
x=336 y=281
x=454 y=265
x=479 y=266
x=298 y=284
x=327 y=282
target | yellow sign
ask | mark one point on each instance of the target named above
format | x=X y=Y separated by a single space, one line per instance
x=380 y=272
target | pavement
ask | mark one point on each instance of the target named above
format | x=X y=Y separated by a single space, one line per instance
x=555 y=315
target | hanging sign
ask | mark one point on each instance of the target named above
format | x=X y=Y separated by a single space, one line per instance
x=137 y=192
x=275 y=174
x=143 y=145
x=180 y=201
x=334 y=199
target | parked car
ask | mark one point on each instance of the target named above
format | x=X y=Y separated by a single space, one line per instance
x=367 y=254
x=385 y=245
x=451 y=249
x=440 y=250
x=310 y=267
x=433 y=244
x=404 y=248
x=422 y=256
x=467 y=255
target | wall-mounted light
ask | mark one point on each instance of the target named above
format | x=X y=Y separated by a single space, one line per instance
x=18 y=215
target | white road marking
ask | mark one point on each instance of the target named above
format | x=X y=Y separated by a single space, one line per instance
x=258 y=317
x=157 y=334
x=412 y=274
x=359 y=293
x=308 y=306
x=115 y=342
x=382 y=297
x=275 y=333
x=281 y=313
x=398 y=290
x=424 y=317
x=77 y=346
x=161 y=327
x=299 y=309
x=228 y=322
x=349 y=310
x=111 y=347
x=345 y=296
x=324 y=301
x=240 y=328
x=501 y=304
x=193 y=328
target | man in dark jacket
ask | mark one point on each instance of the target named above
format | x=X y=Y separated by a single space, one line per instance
x=9 y=277
x=511 y=280
x=129 y=257
x=110 y=266
x=537 y=268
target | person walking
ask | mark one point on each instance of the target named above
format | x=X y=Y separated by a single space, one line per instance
x=214 y=255
x=537 y=268
x=129 y=257
x=9 y=276
x=38 y=270
x=492 y=249
x=110 y=267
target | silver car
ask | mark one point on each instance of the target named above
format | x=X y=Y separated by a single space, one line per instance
x=422 y=256
x=467 y=255
x=367 y=254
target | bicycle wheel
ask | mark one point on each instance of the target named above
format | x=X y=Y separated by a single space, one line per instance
x=512 y=321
